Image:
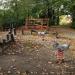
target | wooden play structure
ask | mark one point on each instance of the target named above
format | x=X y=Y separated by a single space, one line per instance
x=37 y=24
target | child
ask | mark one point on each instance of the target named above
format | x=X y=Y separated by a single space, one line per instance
x=59 y=56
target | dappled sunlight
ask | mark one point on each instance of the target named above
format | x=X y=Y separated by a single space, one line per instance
x=65 y=20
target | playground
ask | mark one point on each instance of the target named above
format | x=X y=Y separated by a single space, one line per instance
x=30 y=55
x=37 y=37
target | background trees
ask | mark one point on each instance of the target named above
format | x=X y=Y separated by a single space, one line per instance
x=15 y=11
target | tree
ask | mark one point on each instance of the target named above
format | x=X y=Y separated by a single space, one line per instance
x=16 y=11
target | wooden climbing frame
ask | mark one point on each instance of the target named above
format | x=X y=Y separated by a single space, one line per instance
x=37 y=24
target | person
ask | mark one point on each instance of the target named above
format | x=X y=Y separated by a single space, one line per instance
x=59 y=56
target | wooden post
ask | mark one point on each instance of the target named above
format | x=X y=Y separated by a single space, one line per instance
x=41 y=24
x=14 y=29
x=22 y=31
x=7 y=37
x=47 y=24
x=4 y=41
x=12 y=37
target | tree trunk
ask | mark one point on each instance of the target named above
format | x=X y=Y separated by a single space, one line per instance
x=57 y=20
x=51 y=16
x=73 y=17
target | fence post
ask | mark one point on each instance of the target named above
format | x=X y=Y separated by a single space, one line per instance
x=12 y=37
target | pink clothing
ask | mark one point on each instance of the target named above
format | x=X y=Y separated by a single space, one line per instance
x=59 y=54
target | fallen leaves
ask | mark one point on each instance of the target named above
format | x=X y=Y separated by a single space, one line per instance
x=34 y=50
x=49 y=62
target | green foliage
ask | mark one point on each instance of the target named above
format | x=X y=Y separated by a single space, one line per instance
x=16 y=11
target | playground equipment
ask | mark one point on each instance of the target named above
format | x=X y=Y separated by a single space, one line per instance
x=5 y=41
x=37 y=24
